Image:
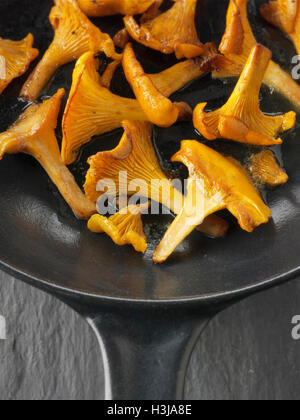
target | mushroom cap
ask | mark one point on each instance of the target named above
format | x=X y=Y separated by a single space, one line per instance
x=124 y=228
x=75 y=34
x=266 y=170
x=227 y=177
x=134 y=155
x=99 y=8
x=92 y=109
x=170 y=32
x=15 y=59
x=282 y=13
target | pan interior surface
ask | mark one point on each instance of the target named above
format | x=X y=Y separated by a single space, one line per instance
x=40 y=237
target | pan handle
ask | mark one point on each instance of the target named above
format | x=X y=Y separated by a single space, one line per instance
x=146 y=351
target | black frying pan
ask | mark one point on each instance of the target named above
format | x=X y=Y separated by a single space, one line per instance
x=147 y=317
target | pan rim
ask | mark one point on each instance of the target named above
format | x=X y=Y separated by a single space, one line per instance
x=207 y=298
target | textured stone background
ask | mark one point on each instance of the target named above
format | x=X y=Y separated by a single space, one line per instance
x=246 y=353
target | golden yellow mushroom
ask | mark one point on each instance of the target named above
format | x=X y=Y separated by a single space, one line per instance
x=266 y=170
x=285 y=14
x=158 y=109
x=122 y=37
x=34 y=134
x=108 y=74
x=15 y=58
x=114 y=7
x=171 y=32
x=133 y=168
x=236 y=46
x=93 y=110
x=124 y=228
x=152 y=12
x=215 y=183
x=74 y=35
x=241 y=119
x=237 y=42
x=135 y=154
x=178 y=76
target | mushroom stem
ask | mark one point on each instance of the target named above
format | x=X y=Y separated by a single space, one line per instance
x=41 y=75
x=253 y=74
x=282 y=82
x=185 y=223
x=3 y=68
x=176 y=77
x=176 y=201
x=46 y=152
x=296 y=39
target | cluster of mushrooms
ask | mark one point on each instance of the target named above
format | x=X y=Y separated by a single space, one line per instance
x=217 y=182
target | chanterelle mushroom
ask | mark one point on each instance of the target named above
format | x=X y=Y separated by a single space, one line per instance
x=285 y=14
x=133 y=168
x=241 y=119
x=178 y=76
x=171 y=32
x=136 y=156
x=74 y=35
x=34 y=134
x=93 y=110
x=158 y=108
x=266 y=170
x=15 y=58
x=215 y=183
x=236 y=46
x=114 y=7
x=124 y=228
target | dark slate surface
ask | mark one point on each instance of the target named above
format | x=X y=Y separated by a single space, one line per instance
x=246 y=352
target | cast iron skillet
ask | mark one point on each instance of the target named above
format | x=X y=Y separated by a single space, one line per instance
x=147 y=317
